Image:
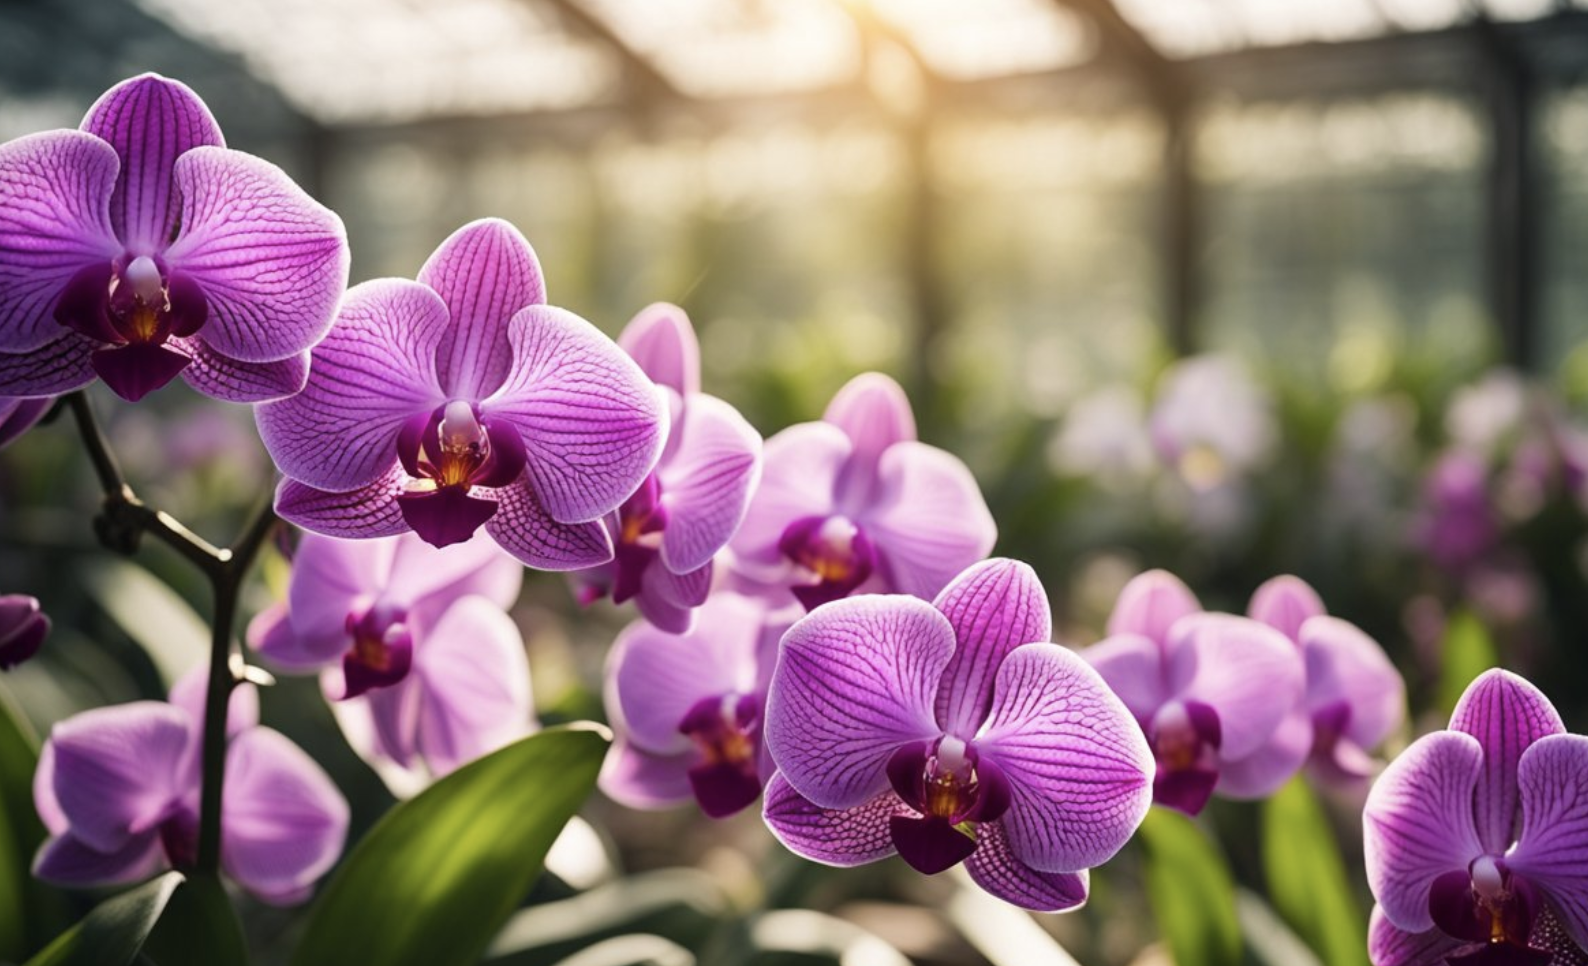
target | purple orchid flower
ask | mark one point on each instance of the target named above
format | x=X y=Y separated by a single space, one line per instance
x=1476 y=837
x=1209 y=690
x=140 y=248
x=951 y=731
x=1459 y=524
x=665 y=535
x=23 y=628
x=463 y=400
x=854 y=504
x=18 y=415
x=118 y=789
x=1354 y=696
x=416 y=638
x=688 y=708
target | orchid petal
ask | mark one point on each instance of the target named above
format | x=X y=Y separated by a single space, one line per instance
x=373 y=372
x=930 y=521
x=333 y=578
x=485 y=272
x=283 y=821
x=1390 y=945
x=422 y=575
x=638 y=778
x=119 y=769
x=369 y=511
x=1345 y=665
x=1134 y=668
x=523 y=528
x=1418 y=824
x=273 y=635
x=151 y=122
x=592 y=424
x=1078 y=766
x=225 y=378
x=714 y=466
x=59 y=366
x=17 y=416
x=832 y=836
x=663 y=342
x=995 y=606
x=855 y=679
x=995 y=868
x=1552 y=852
x=1261 y=773
x=191 y=694
x=44 y=801
x=668 y=600
x=800 y=468
x=1285 y=603
x=476 y=685
x=69 y=861
x=1249 y=673
x=1506 y=713
x=1150 y=604
x=874 y=413
x=54 y=188
x=381 y=725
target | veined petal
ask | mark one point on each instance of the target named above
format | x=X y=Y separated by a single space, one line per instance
x=832 y=836
x=930 y=521
x=1261 y=773
x=68 y=860
x=58 y=366
x=427 y=576
x=1134 y=667
x=1079 y=769
x=358 y=514
x=874 y=413
x=663 y=342
x=800 y=469
x=523 y=528
x=1552 y=853
x=1150 y=604
x=994 y=606
x=119 y=769
x=995 y=868
x=1390 y=945
x=54 y=222
x=593 y=425
x=150 y=121
x=1249 y=673
x=222 y=377
x=283 y=821
x=373 y=372
x=485 y=272
x=1345 y=665
x=1506 y=713
x=855 y=679
x=1285 y=603
x=476 y=685
x=632 y=776
x=707 y=481
x=1418 y=824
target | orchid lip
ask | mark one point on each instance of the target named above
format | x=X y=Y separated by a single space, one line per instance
x=953 y=788
x=726 y=730
x=449 y=451
x=1185 y=737
x=382 y=650
x=833 y=549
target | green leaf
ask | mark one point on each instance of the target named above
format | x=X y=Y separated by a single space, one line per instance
x=436 y=878
x=680 y=905
x=43 y=912
x=174 y=636
x=115 y=931
x=1307 y=879
x=1192 y=894
x=1466 y=652
x=199 y=928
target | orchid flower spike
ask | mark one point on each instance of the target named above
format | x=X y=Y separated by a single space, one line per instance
x=118 y=789
x=666 y=534
x=463 y=400
x=140 y=247
x=855 y=504
x=424 y=668
x=1476 y=837
x=1208 y=690
x=952 y=732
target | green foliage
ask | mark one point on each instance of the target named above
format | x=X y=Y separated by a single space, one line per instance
x=1307 y=879
x=681 y=906
x=1191 y=891
x=1466 y=652
x=439 y=875
x=40 y=907
x=199 y=928
x=164 y=625
x=114 y=932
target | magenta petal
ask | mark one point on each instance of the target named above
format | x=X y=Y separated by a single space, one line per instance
x=930 y=845
x=930 y=521
x=855 y=679
x=190 y=693
x=1346 y=667
x=1249 y=673
x=363 y=672
x=1552 y=853
x=1134 y=668
x=54 y=223
x=272 y=634
x=485 y=272
x=1285 y=603
x=593 y=425
x=446 y=516
x=425 y=576
x=995 y=868
x=1506 y=713
x=995 y=607
x=151 y=122
x=1261 y=773
x=800 y=469
x=475 y=676
x=221 y=377
x=23 y=628
x=724 y=788
x=1418 y=824
x=663 y=342
x=67 y=860
x=84 y=303
x=713 y=465
x=119 y=769
x=369 y=511
x=57 y=367
x=1078 y=765
x=1186 y=790
x=524 y=529
x=371 y=374
x=832 y=836
x=334 y=580
x=17 y=416
x=638 y=778
x=668 y=600
x=1150 y=604
x=873 y=411
x=283 y=821
x=1389 y=945
x=133 y=371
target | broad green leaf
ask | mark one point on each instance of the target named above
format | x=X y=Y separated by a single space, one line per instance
x=43 y=912
x=680 y=905
x=175 y=637
x=199 y=928
x=1192 y=894
x=436 y=878
x=1307 y=879
x=1466 y=652
x=114 y=932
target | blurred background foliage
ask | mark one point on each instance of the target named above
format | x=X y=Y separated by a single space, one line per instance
x=1229 y=287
